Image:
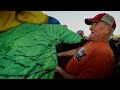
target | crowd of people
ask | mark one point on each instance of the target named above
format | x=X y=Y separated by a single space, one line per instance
x=115 y=46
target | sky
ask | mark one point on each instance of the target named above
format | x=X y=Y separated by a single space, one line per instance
x=75 y=19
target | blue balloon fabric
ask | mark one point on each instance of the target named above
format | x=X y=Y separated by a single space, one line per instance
x=52 y=20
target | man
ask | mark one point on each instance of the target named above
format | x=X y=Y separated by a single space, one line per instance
x=95 y=59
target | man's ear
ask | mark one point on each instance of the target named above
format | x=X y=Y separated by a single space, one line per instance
x=108 y=29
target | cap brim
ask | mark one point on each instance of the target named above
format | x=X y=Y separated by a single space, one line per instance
x=88 y=21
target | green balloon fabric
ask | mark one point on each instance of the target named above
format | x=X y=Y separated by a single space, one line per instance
x=28 y=51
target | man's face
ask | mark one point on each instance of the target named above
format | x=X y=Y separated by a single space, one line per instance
x=97 y=31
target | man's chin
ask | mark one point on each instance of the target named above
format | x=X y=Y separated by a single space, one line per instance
x=92 y=39
x=91 y=36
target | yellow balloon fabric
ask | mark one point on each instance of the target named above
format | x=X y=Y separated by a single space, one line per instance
x=10 y=19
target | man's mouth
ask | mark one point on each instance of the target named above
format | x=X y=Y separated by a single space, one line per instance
x=91 y=35
x=92 y=32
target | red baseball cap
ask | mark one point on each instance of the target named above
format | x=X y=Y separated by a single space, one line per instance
x=102 y=17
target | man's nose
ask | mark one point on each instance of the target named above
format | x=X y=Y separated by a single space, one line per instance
x=91 y=28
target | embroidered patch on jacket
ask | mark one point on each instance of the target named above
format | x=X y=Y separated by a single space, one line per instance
x=80 y=53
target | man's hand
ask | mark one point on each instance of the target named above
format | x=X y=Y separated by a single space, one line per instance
x=59 y=54
x=58 y=69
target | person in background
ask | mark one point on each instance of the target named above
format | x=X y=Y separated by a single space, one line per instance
x=84 y=40
x=80 y=32
x=65 y=26
x=117 y=44
x=95 y=59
